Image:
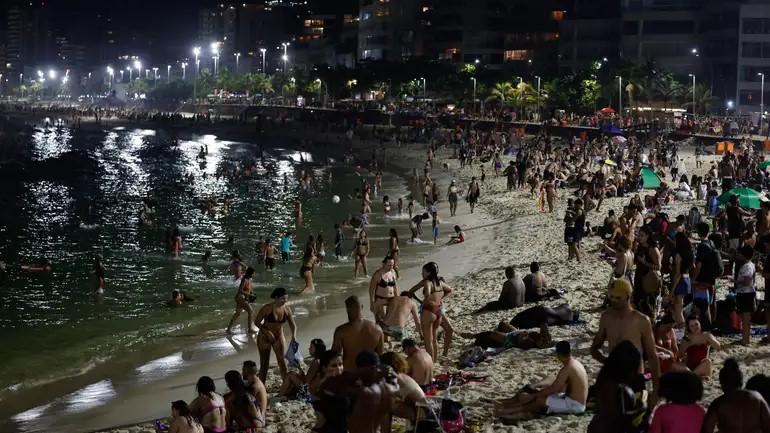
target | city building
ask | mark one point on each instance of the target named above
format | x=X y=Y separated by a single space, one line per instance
x=327 y=39
x=29 y=38
x=387 y=29
x=590 y=32
x=753 y=58
x=69 y=56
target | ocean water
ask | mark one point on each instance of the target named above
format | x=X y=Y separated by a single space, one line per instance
x=83 y=197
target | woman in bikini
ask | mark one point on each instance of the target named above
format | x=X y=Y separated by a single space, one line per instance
x=452 y=195
x=306 y=271
x=362 y=251
x=695 y=349
x=243 y=409
x=242 y=299
x=236 y=265
x=382 y=287
x=434 y=291
x=393 y=250
x=270 y=320
x=182 y=420
x=209 y=407
x=176 y=244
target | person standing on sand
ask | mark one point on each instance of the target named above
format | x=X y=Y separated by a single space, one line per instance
x=269 y=321
x=550 y=191
x=398 y=310
x=393 y=250
x=745 y=289
x=567 y=394
x=510 y=175
x=356 y=336
x=451 y=195
x=434 y=291
x=420 y=364
x=737 y=410
x=621 y=322
x=474 y=191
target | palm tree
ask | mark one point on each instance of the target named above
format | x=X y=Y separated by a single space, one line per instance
x=258 y=84
x=667 y=88
x=502 y=92
x=704 y=100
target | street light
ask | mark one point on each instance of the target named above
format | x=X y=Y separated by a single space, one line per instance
x=761 y=100
x=620 y=95
x=168 y=74
x=424 y=88
x=477 y=61
x=121 y=75
x=112 y=74
x=263 y=51
x=52 y=74
x=474 y=93
x=285 y=55
x=197 y=52
x=130 y=73
x=237 y=61
x=138 y=66
x=184 y=71
x=155 y=74
x=693 y=95
x=538 y=97
x=215 y=56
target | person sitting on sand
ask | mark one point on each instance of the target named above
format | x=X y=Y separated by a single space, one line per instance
x=458 y=237
x=666 y=343
x=357 y=335
x=619 y=392
x=621 y=323
x=242 y=408
x=737 y=410
x=409 y=392
x=536 y=286
x=182 y=421
x=330 y=410
x=420 y=363
x=397 y=312
x=294 y=381
x=209 y=407
x=695 y=349
x=505 y=336
x=511 y=296
x=682 y=413
x=567 y=394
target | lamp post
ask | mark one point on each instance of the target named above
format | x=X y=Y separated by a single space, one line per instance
x=138 y=66
x=237 y=62
x=263 y=51
x=761 y=101
x=168 y=74
x=320 y=88
x=130 y=73
x=693 y=95
x=424 y=88
x=184 y=71
x=197 y=52
x=121 y=75
x=620 y=95
x=155 y=75
x=285 y=55
x=112 y=75
x=538 y=96
x=215 y=56
x=474 y=93
x=21 y=83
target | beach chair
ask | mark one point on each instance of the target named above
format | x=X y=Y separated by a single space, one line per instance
x=429 y=419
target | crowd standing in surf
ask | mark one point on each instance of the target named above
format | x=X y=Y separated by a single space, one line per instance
x=666 y=298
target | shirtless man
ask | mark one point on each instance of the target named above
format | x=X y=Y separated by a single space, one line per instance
x=737 y=410
x=420 y=363
x=356 y=336
x=621 y=322
x=372 y=387
x=536 y=285
x=567 y=394
x=398 y=310
x=511 y=296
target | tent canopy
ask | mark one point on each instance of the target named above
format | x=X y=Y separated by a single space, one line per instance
x=650 y=178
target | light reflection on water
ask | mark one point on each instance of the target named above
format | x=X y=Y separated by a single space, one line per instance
x=79 y=211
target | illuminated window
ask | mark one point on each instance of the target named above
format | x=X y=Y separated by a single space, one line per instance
x=513 y=55
x=384 y=1
x=314 y=23
x=550 y=36
x=557 y=15
x=383 y=12
x=425 y=8
x=365 y=16
x=449 y=53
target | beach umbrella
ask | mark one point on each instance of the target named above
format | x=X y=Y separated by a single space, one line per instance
x=607 y=110
x=612 y=129
x=650 y=178
x=747 y=197
x=764 y=164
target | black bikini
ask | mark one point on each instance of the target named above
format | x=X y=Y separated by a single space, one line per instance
x=384 y=284
x=270 y=318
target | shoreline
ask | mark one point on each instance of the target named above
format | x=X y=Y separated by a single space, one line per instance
x=322 y=323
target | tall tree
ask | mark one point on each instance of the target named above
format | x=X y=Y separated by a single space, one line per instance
x=667 y=88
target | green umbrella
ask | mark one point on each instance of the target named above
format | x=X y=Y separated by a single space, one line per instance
x=747 y=197
x=764 y=164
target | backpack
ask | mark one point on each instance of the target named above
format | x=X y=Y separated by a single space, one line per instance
x=713 y=263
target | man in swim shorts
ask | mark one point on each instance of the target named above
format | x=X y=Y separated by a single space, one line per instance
x=505 y=336
x=397 y=312
x=567 y=394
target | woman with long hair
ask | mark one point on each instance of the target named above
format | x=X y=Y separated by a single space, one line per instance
x=209 y=407
x=243 y=414
x=393 y=250
x=362 y=252
x=270 y=320
x=648 y=262
x=306 y=271
x=619 y=392
x=695 y=349
x=434 y=291
x=244 y=295
x=684 y=260
x=331 y=411
x=295 y=380
x=182 y=420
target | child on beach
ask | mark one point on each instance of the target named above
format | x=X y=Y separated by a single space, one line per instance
x=410 y=208
x=483 y=173
x=435 y=224
x=400 y=206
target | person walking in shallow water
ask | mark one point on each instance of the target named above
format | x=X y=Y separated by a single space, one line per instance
x=270 y=321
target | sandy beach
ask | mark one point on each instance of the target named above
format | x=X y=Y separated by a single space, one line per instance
x=507 y=229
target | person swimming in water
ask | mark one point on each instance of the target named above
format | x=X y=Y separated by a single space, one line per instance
x=206 y=256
